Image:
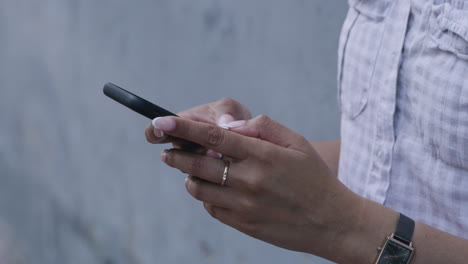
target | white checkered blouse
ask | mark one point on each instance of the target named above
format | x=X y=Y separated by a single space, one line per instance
x=403 y=93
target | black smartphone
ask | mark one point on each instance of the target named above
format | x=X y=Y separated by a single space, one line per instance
x=135 y=102
x=147 y=109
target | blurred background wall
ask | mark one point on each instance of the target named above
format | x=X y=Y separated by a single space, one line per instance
x=78 y=182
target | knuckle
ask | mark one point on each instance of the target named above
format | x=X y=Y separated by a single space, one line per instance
x=263 y=120
x=215 y=136
x=228 y=101
x=255 y=184
x=247 y=206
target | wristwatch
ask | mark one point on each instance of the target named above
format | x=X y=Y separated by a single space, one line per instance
x=398 y=247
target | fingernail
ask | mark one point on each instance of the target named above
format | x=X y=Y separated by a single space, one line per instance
x=158 y=133
x=225 y=126
x=235 y=124
x=164 y=155
x=224 y=119
x=164 y=123
x=186 y=179
x=214 y=154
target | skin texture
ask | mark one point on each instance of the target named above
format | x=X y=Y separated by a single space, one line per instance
x=280 y=190
x=329 y=151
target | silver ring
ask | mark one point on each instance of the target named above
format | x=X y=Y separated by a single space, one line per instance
x=226 y=171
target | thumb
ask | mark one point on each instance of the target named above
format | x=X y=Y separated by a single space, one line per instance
x=265 y=128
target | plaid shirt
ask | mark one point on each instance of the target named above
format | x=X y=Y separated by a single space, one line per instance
x=403 y=93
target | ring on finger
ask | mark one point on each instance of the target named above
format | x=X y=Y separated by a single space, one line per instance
x=227 y=164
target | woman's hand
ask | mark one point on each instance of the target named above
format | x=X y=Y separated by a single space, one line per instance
x=220 y=112
x=277 y=190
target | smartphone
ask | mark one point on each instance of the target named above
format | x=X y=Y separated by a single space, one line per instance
x=135 y=102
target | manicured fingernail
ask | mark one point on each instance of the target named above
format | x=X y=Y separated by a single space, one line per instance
x=225 y=126
x=214 y=154
x=235 y=124
x=224 y=119
x=164 y=156
x=158 y=133
x=164 y=123
x=186 y=179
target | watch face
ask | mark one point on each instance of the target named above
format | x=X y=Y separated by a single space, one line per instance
x=393 y=253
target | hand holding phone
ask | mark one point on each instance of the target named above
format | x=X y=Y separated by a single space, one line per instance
x=221 y=109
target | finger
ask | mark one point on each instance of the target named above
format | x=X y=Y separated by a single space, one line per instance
x=196 y=115
x=176 y=142
x=265 y=128
x=149 y=134
x=211 y=193
x=155 y=137
x=205 y=167
x=188 y=146
x=209 y=136
x=221 y=112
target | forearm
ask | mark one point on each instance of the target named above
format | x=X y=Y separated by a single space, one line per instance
x=329 y=151
x=375 y=222
x=368 y=224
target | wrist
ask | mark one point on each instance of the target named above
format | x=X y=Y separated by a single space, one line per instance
x=352 y=227
x=345 y=235
x=367 y=229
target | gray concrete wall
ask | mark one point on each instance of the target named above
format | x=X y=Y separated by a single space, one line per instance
x=78 y=182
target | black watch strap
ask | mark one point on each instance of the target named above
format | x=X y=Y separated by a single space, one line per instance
x=404 y=230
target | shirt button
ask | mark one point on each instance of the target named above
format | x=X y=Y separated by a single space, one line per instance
x=379 y=153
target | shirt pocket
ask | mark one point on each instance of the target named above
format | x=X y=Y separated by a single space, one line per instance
x=441 y=83
x=449 y=28
x=358 y=50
